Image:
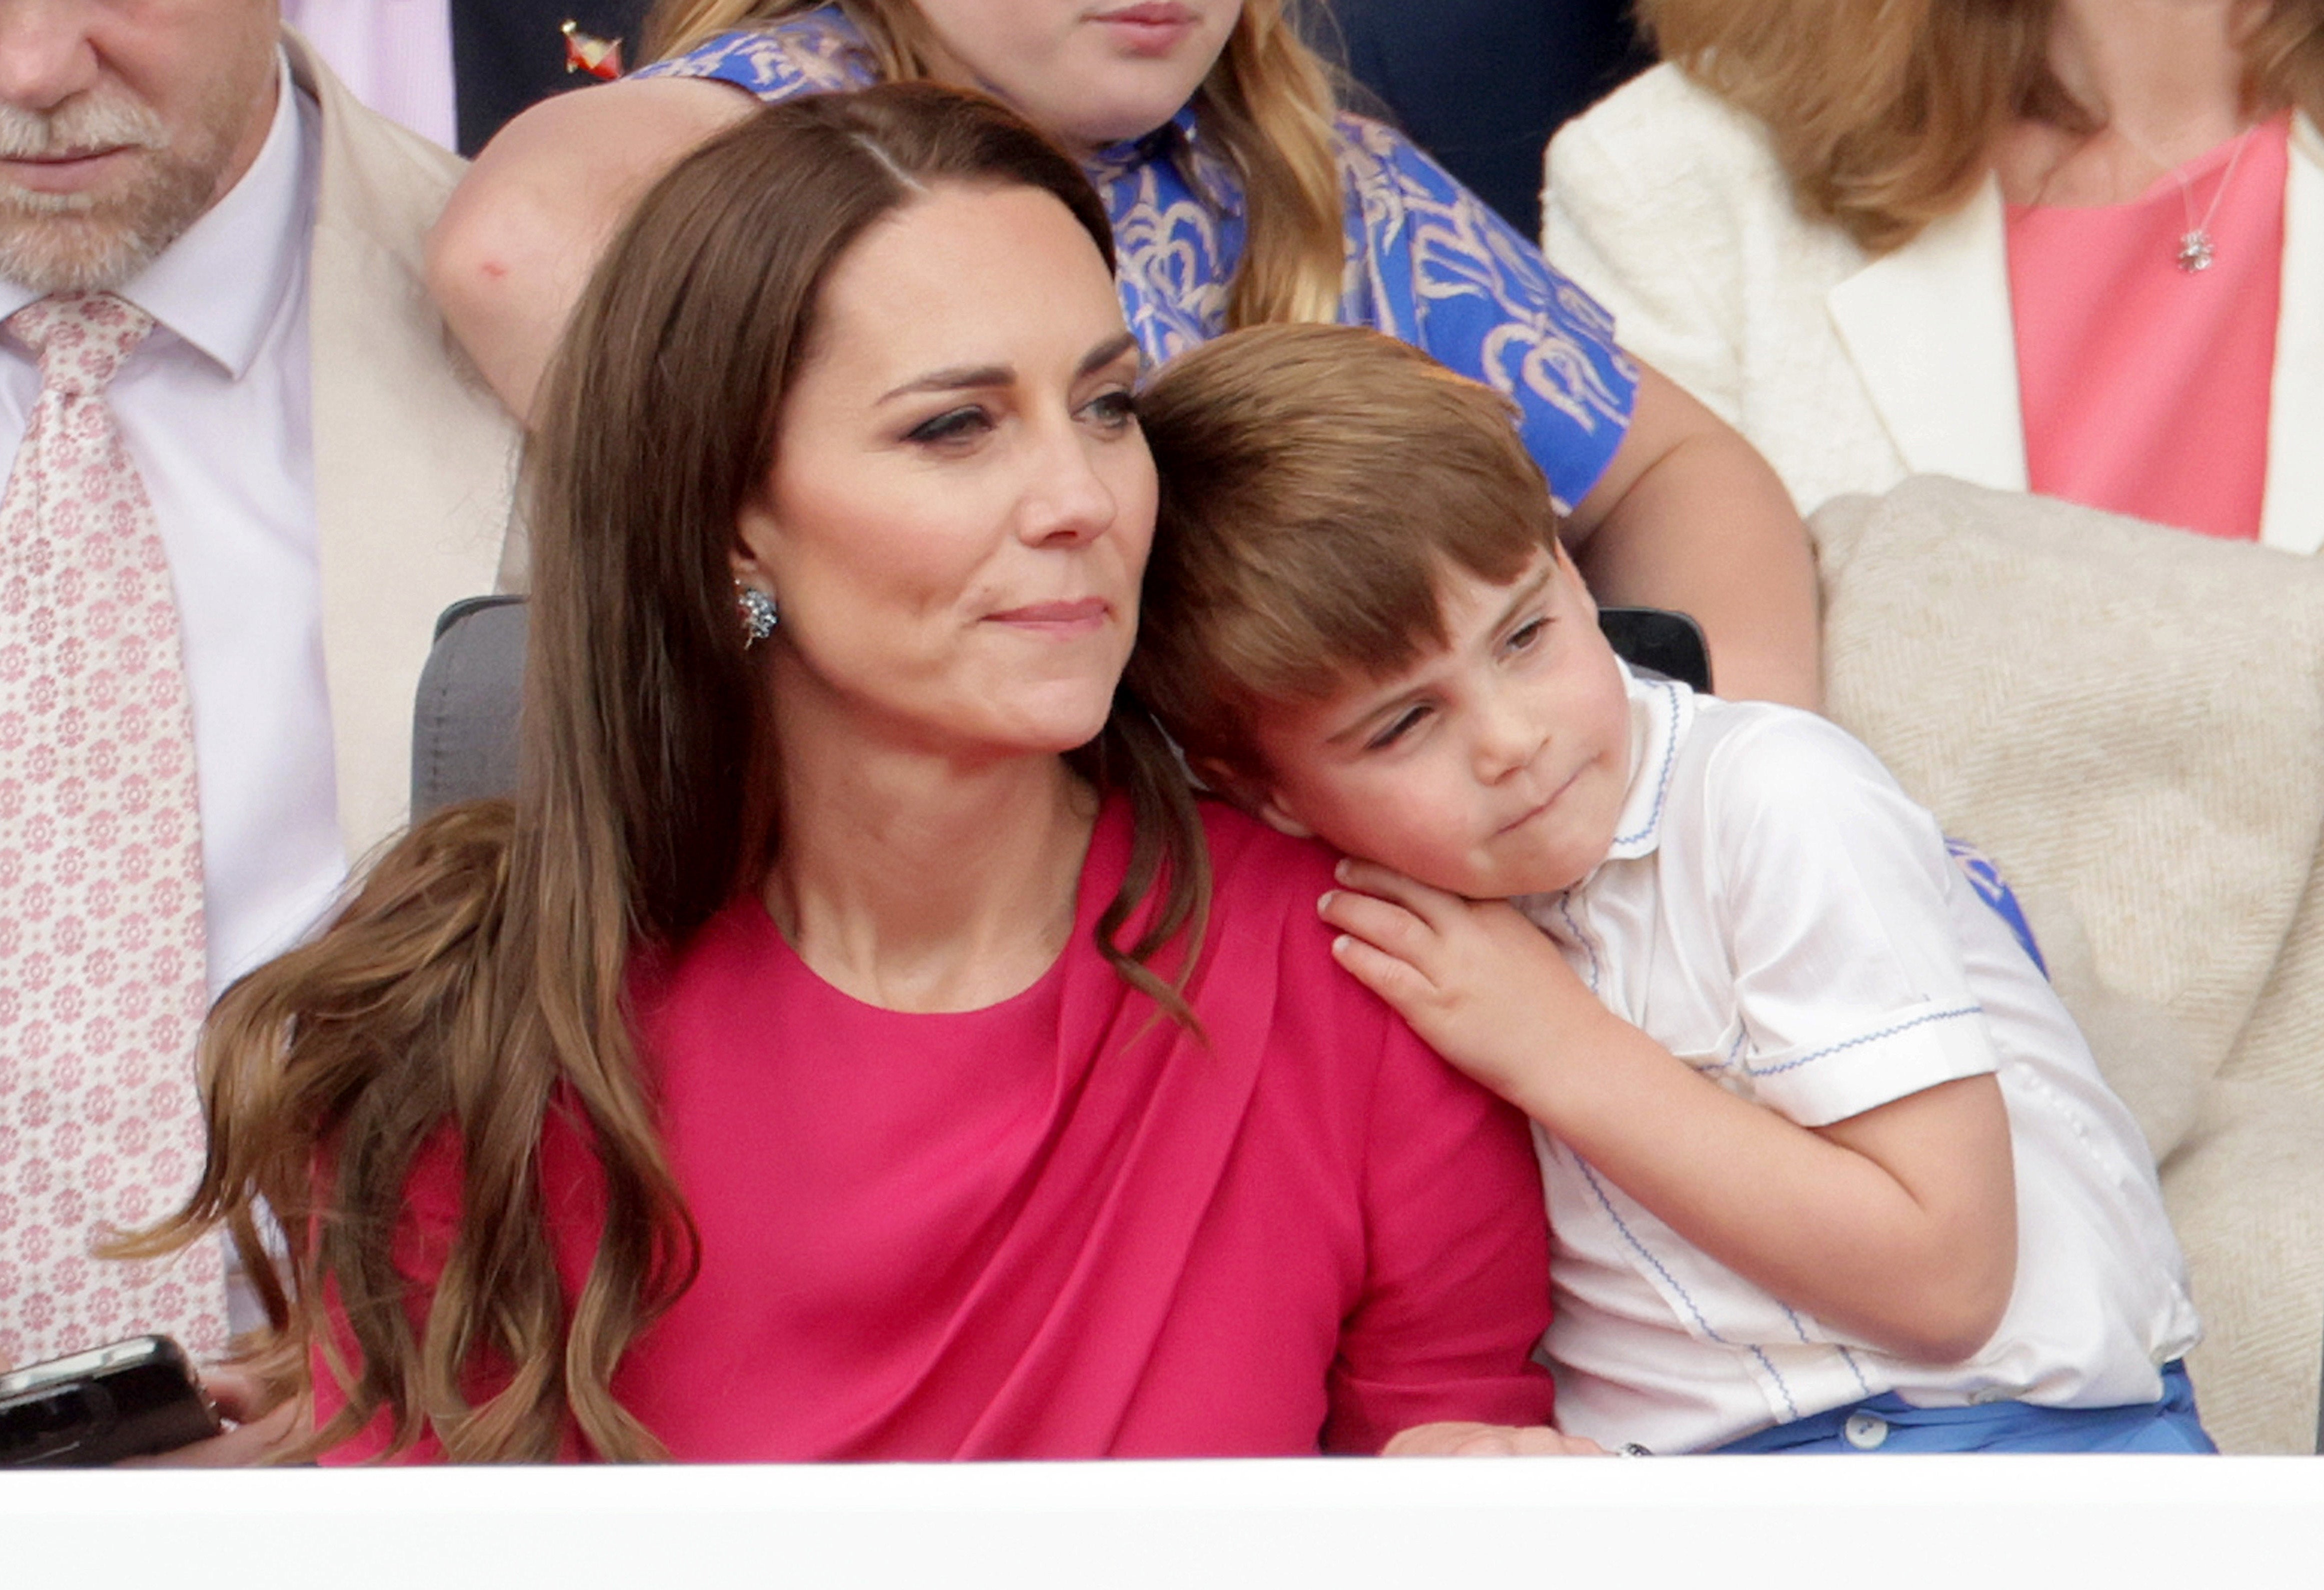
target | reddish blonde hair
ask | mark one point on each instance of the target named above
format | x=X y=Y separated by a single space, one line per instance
x=1317 y=481
x=1885 y=112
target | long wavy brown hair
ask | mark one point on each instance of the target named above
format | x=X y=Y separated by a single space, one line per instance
x=474 y=982
x=1267 y=104
x=1885 y=112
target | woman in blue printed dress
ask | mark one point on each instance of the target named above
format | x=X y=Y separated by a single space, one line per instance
x=1239 y=194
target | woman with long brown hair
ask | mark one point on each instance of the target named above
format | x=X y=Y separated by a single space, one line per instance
x=854 y=1041
x=2075 y=247
x=1238 y=196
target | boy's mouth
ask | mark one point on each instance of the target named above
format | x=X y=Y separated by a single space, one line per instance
x=1539 y=808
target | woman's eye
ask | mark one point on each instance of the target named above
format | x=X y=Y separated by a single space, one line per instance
x=953 y=425
x=1113 y=410
x=1404 y=723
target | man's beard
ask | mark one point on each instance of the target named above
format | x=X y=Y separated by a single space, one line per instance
x=94 y=240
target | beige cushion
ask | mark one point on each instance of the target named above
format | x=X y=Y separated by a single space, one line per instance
x=2130 y=720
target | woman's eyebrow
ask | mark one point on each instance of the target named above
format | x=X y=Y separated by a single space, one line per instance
x=957 y=378
x=1106 y=352
x=967 y=377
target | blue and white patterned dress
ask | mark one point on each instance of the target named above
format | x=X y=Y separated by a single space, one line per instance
x=1426 y=259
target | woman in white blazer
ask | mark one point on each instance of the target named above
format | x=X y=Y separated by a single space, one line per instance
x=1805 y=217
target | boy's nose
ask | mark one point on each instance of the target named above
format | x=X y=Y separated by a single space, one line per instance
x=1509 y=738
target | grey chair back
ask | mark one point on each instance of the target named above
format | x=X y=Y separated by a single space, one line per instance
x=463 y=722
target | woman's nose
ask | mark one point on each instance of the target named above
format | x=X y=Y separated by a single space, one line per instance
x=1067 y=498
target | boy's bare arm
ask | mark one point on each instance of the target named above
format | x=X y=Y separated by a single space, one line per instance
x=1689 y=515
x=1897 y=1226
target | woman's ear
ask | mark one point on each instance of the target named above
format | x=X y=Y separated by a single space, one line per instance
x=754 y=527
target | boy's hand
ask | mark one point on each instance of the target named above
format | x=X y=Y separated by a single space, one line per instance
x=1453 y=1439
x=1482 y=987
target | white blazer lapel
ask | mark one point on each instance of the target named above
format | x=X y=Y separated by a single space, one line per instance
x=2293 y=517
x=1929 y=331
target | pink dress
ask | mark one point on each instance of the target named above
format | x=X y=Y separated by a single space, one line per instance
x=1058 y=1227
x=2144 y=387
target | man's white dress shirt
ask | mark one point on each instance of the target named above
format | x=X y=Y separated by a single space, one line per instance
x=213 y=407
x=395 y=55
x=1780 y=917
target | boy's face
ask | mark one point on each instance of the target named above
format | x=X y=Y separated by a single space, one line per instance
x=1495 y=767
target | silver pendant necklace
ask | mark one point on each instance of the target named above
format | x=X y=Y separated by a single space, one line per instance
x=2196 y=254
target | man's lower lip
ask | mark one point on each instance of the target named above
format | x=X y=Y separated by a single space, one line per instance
x=58 y=176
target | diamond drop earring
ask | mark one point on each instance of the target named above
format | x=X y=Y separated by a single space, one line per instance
x=759 y=614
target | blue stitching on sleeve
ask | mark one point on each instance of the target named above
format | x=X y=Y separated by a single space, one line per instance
x=1630 y=1236
x=1670 y=760
x=1905 y=1027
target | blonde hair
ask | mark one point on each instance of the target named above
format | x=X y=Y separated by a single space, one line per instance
x=1318 y=484
x=1885 y=112
x=1267 y=104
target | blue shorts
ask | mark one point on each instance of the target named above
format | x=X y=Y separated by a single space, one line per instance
x=1890 y=1424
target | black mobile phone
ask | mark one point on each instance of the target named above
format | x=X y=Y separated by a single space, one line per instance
x=124 y=1400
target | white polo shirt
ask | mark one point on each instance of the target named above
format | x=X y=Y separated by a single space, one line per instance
x=1780 y=915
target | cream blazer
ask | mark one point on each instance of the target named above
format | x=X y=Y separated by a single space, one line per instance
x=1852 y=372
x=415 y=460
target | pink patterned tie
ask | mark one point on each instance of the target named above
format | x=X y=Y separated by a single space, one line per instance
x=102 y=980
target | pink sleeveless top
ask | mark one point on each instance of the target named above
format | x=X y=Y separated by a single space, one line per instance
x=2144 y=387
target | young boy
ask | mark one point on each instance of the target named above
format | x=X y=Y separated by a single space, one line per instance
x=1827 y=1165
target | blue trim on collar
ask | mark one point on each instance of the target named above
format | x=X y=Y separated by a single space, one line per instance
x=1661 y=710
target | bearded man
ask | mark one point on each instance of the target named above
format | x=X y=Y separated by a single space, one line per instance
x=248 y=472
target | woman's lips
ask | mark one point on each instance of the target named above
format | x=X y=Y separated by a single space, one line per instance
x=1149 y=29
x=1057 y=618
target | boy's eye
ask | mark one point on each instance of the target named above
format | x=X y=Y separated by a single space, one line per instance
x=1526 y=634
x=953 y=425
x=1402 y=724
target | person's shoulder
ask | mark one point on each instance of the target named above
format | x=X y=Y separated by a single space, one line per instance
x=1255 y=868
x=1769 y=779
x=1265 y=885
x=1374 y=155
x=362 y=148
x=1664 y=123
x=817 y=52
x=1768 y=751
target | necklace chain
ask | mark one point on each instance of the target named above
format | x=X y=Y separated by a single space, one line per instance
x=2195 y=253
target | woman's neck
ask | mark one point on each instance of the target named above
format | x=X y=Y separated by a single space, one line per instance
x=2166 y=78
x=914 y=880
